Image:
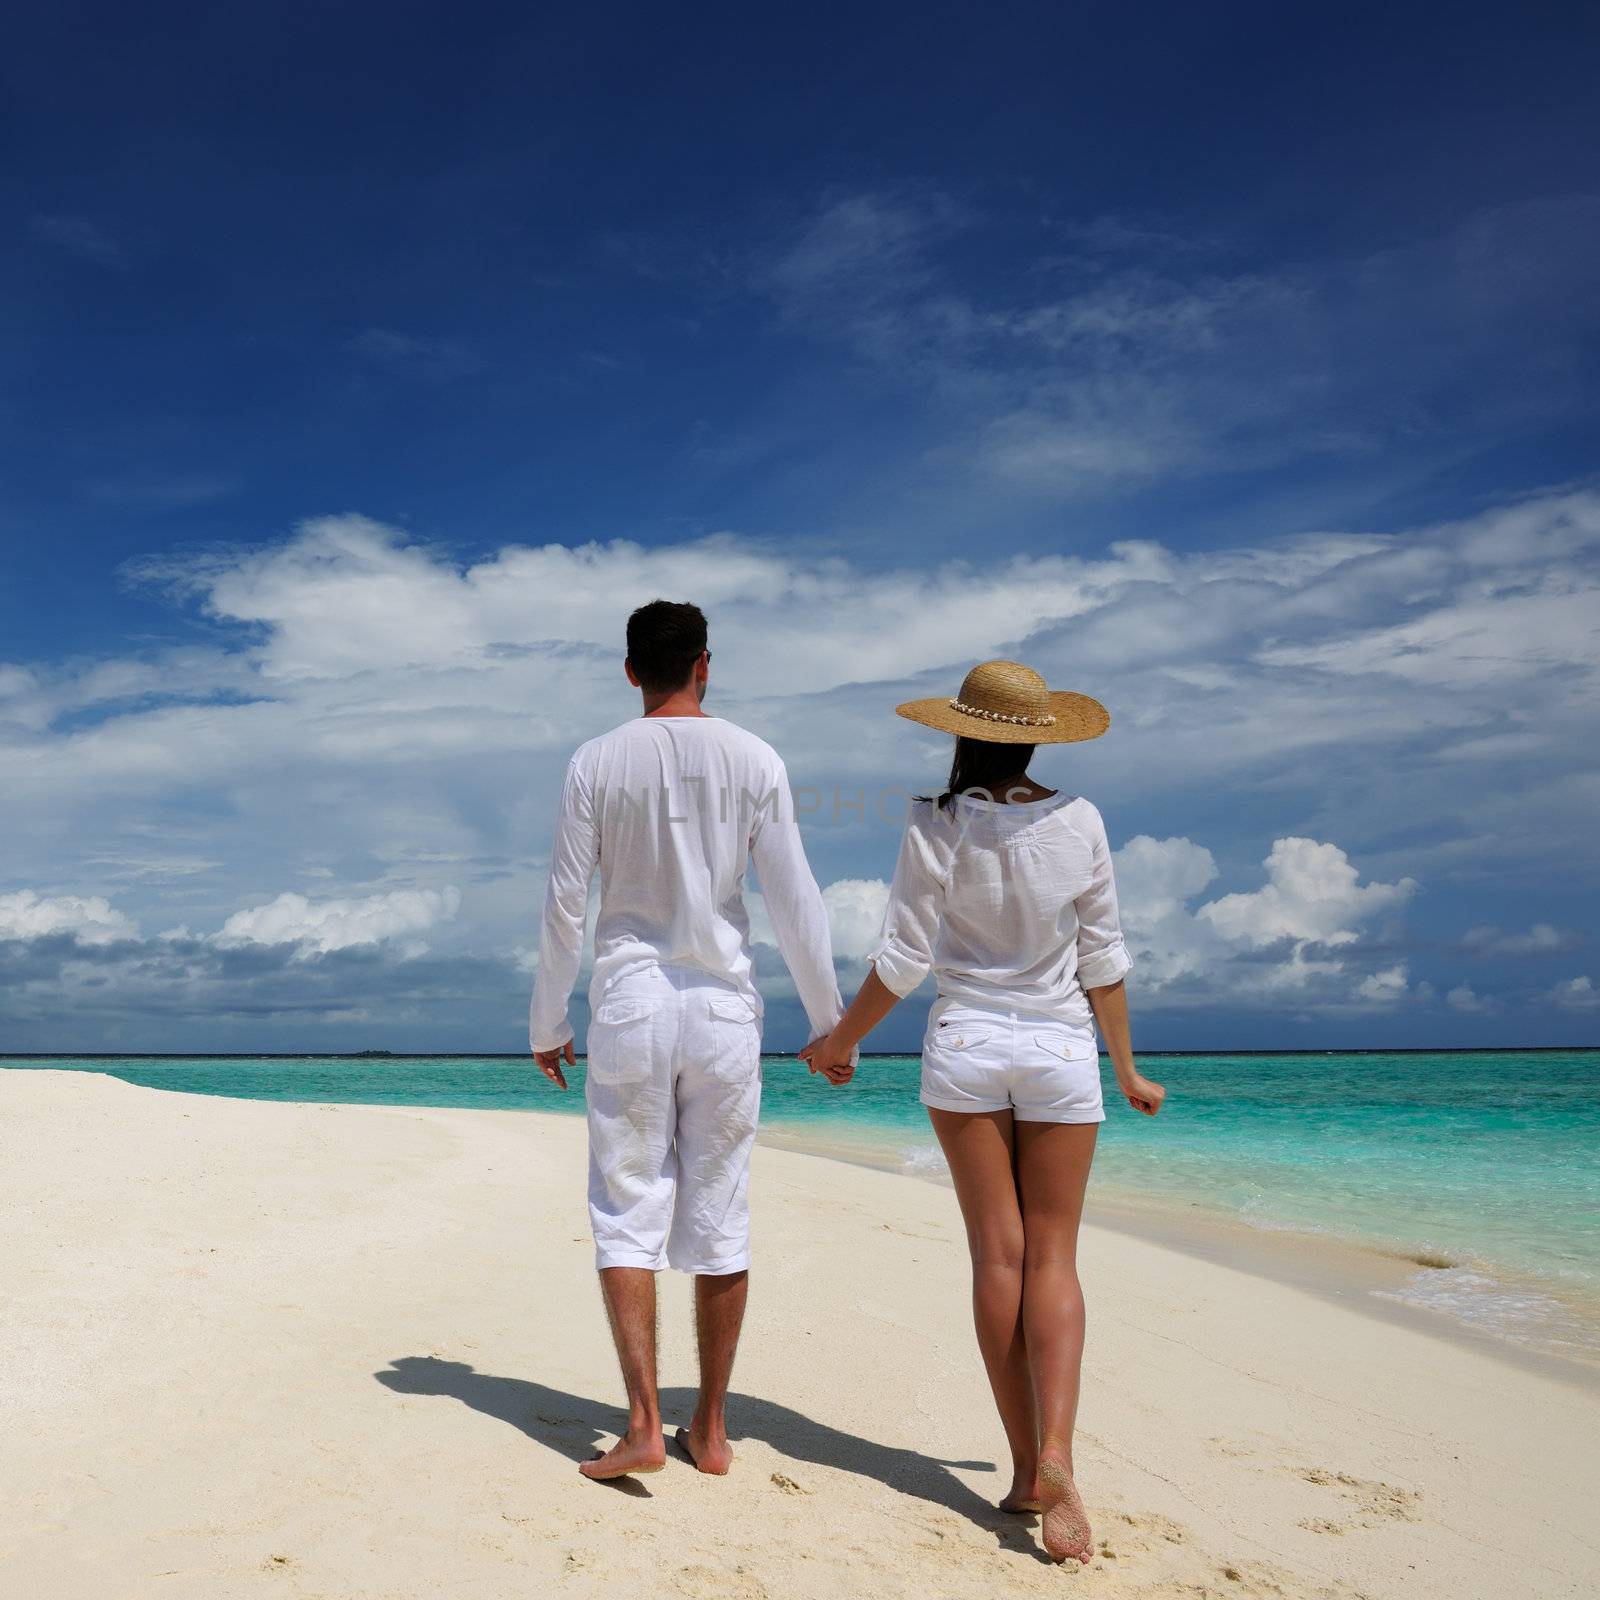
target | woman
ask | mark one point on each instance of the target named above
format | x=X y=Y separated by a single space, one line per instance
x=1004 y=890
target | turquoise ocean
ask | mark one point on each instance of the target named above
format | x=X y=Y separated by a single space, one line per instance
x=1479 y=1169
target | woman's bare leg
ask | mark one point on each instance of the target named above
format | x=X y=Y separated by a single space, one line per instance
x=979 y=1149
x=1052 y=1173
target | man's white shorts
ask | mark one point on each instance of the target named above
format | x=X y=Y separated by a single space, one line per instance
x=1037 y=1068
x=674 y=1094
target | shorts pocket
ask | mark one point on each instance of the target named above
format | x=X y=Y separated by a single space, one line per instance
x=734 y=1029
x=956 y=1036
x=1067 y=1047
x=960 y=1071
x=618 y=1045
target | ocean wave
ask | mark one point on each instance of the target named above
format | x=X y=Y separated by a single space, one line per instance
x=924 y=1161
x=1507 y=1311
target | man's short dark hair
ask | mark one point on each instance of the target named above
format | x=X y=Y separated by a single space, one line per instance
x=665 y=639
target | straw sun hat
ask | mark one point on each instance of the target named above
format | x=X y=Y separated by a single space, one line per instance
x=1008 y=703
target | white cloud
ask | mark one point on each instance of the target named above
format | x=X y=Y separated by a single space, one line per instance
x=1472 y=643
x=1543 y=938
x=182 y=990
x=1466 y=999
x=1178 y=951
x=1576 y=994
x=89 y=919
x=371 y=717
x=1300 y=977
x=348 y=596
x=371 y=645
x=149 y=492
x=154 y=869
x=414 y=355
x=1228 y=951
x=1312 y=894
x=323 y=925
x=860 y=239
x=1096 y=369
x=1384 y=988
x=78 y=236
x=855 y=915
x=1156 y=880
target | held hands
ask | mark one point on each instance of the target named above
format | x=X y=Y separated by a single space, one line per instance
x=834 y=1064
x=1142 y=1093
x=549 y=1063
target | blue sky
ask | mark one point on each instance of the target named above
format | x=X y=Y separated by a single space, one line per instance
x=360 y=367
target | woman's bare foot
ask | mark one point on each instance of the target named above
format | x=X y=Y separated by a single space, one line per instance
x=1065 y=1524
x=1023 y=1495
x=627 y=1458
x=708 y=1454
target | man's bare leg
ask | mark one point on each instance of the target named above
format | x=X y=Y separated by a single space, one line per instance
x=630 y=1297
x=718 y=1316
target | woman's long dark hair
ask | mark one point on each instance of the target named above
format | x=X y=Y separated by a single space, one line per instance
x=984 y=764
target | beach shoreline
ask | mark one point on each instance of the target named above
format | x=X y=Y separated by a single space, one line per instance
x=1369 y=1278
x=1490 y=1306
x=356 y=1350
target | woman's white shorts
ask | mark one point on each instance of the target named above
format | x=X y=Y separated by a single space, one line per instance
x=674 y=1093
x=1039 y=1069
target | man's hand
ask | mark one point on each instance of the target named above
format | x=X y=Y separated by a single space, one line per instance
x=549 y=1063
x=1143 y=1094
x=823 y=1056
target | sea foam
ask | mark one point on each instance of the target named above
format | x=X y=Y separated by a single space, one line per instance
x=925 y=1161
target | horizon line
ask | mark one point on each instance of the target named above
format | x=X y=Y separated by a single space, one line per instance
x=866 y=1055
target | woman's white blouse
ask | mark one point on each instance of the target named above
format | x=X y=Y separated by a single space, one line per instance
x=1011 y=906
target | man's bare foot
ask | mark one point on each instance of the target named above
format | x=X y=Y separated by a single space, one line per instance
x=714 y=1456
x=1065 y=1525
x=1023 y=1495
x=627 y=1458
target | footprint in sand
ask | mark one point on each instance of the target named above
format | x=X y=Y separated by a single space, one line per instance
x=1258 y=1581
x=724 y=1583
x=1153 y=1524
x=1374 y=1503
x=1237 y=1448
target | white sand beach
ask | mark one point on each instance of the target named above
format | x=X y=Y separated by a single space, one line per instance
x=356 y=1352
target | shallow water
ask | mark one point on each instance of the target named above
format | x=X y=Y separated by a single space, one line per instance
x=1486 y=1164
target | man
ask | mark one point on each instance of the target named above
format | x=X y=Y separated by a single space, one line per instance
x=672 y=807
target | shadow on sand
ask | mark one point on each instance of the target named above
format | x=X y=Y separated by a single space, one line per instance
x=573 y=1426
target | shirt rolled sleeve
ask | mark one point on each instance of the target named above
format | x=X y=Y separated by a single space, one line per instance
x=1102 y=957
x=903 y=956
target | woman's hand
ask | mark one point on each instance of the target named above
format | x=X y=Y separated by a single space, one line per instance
x=1142 y=1093
x=823 y=1056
